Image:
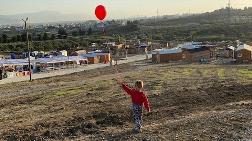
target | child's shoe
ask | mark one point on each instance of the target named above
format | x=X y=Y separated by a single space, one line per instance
x=136 y=130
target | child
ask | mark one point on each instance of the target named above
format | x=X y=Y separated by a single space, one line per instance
x=139 y=100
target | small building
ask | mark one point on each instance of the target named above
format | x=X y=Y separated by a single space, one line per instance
x=17 y=55
x=63 y=53
x=202 y=54
x=55 y=63
x=141 y=48
x=231 y=52
x=244 y=53
x=2 y=56
x=77 y=53
x=97 y=56
x=186 y=53
x=166 y=55
x=92 y=58
x=103 y=57
x=15 y=67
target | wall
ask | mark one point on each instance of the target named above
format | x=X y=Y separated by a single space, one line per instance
x=246 y=56
x=196 y=56
x=166 y=58
x=185 y=56
x=104 y=58
x=93 y=60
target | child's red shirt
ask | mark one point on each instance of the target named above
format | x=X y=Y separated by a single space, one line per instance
x=137 y=97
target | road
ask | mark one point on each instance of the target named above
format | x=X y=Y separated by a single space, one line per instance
x=70 y=70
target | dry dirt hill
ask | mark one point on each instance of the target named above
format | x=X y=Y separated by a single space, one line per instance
x=189 y=102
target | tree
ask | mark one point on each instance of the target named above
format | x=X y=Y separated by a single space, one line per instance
x=74 y=33
x=53 y=37
x=30 y=37
x=14 y=39
x=45 y=36
x=62 y=31
x=4 y=38
x=90 y=31
x=23 y=37
x=82 y=32
x=19 y=38
x=39 y=37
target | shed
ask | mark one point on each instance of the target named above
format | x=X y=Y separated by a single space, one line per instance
x=196 y=54
x=244 y=53
x=104 y=57
x=166 y=55
x=92 y=58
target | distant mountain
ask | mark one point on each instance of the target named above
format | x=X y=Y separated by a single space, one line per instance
x=39 y=17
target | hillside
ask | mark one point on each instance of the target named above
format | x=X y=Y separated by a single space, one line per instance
x=219 y=25
x=218 y=16
x=188 y=102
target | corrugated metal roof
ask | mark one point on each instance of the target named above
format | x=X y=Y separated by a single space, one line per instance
x=13 y=62
x=167 y=51
x=244 y=46
x=231 y=47
x=59 y=59
x=194 y=50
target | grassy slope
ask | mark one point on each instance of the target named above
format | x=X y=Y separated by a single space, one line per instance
x=204 y=102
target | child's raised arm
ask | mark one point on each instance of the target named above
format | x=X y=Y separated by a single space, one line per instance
x=127 y=89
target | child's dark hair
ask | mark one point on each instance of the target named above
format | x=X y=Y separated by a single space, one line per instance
x=139 y=84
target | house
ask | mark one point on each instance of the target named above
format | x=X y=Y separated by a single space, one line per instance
x=141 y=48
x=63 y=53
x=100 y=55
x=244 y=53
x=17 y=55
x=15 y=67
x=186 y=52
x=201 y=54
x=156 y=46
x=230 y=52
x=77 y=53
x=80 y=52
x=92 y=58
x=131 y=48
x=57 y=62
x=166 y=55
x=103 y=57
x=2 y=56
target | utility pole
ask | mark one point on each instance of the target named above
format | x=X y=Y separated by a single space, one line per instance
x=28 y=46
x=229 y=11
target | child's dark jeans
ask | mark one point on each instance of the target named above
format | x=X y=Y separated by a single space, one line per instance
x=137 y=111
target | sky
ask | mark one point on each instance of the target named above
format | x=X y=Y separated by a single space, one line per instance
x=117 y=8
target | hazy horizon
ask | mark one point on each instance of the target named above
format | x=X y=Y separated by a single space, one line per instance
x=117 y=8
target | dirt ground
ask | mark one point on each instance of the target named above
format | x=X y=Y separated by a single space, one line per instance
x=188 y=102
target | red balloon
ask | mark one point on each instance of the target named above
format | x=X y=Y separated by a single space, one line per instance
x=100 y=12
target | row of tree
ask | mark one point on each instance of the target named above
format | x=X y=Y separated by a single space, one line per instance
x=82 y=32
x=38 y=46
x=62 y=34
x=18 y=38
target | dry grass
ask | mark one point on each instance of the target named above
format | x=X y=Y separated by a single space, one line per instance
x=189 y=102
